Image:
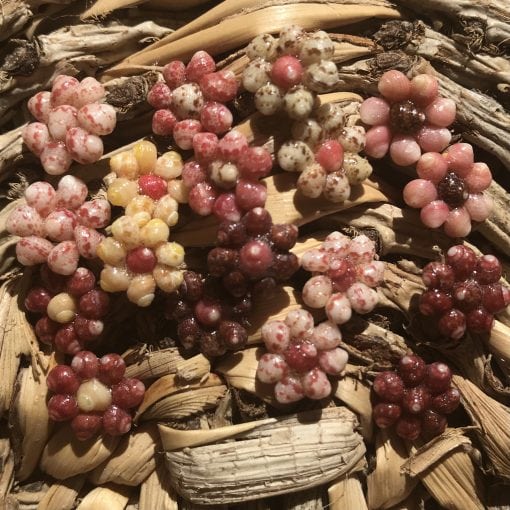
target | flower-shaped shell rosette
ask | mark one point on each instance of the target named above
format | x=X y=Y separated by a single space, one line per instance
x=94 y=395
x=345 y=276
x=464 y=292
x=409 y=118
x=223 y=178
x=138 y=257
x=72 y=309
x=58 y=226
x=450 y=190
x=300 y=357
x=191 y=99
x=71 y=119
x=325 y=152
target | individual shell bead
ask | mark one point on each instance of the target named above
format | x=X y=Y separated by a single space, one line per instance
x=415 y=398
x=450 y=190
x=93 y=393
x=464 y=292
x=58 y=226
x=71 y=309
x=72 y=118
x=192 y=99
x=410 y=118
x=139 y=257
x=346 y=274
x=287 y=73
x=301 y=357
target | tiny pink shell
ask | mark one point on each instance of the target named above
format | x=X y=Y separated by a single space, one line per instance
x=432 y=166
x=35 y=136
x=404 y=150
x=33 y=250
x=395 y=86
x=458 y=223
x=55 y=158
x=419 y=192
x=479 y=206
x=460 y=158
x=433 y=139
x=441 y=112
x=377 y=141
x=63 y=258
x=433 y=215
x=424 y=89
x=479 y=178
x=374 y=111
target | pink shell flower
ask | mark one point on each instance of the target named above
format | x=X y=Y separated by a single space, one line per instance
x=409 y=118
x=450 y=189
x=300 y=357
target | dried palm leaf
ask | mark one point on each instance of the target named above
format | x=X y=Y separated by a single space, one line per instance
x=286 y=455
x=155 y=364
x=452 y=480
x=172 y=385
x=7 y=465
x=65 y=456
x=220 y=34
x=347 y=494
x=156 y=492
x=112 y=497
x=133 y=461
x=386 y=484
x=62 y=495
x=491 y=420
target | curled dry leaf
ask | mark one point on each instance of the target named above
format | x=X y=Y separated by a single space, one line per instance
x=156 y=492
x=113 y=497
x=171 y=385
x=387 y=485
x=347 y=493
x=491 y=420
x=62 y=495
x=288 y=455
x=356 y=396
x=452 y=479
x=29 y=420
x=133 y=460
x=7 y=463
x=255 y=19
x=65 y=456
x=155 y=364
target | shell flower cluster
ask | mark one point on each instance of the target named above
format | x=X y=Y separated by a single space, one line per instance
x=287 y=72
x=450 y=190
x=409 y=118
x=138 y=256
x=223 y=178
x=94 y=395
x=73 y=309
x=71 y=119
x=345 y=275
x=191 y=99
x=325 y=152
x=301 y=357
x=58 y=226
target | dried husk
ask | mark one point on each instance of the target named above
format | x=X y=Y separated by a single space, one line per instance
x=7 y=471
x=62 y=495
x=112 y=497
x=65 y=456
x=451 y=56
x=386 y=484
x=453 y=480
x=29 y=419
x=133 y=460
x=310 y=499
x=355 y=394
x=15 y=14
x=156 y=492
x=293 y=454
x=171 y=386
x=347 y=494
x=186 y=403
x=491 y=420
x=223 y=35
x=154 y=364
